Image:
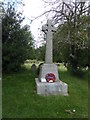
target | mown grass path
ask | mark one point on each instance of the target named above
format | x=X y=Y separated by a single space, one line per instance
x=21 y=101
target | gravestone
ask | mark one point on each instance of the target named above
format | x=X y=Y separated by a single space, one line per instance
x=33 y=68
x=44 y=87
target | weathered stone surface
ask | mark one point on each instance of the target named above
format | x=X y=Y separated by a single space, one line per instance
x=55 y=88
x=48 y=68
x=44 y=87
x=33 y=68
x=48 y=29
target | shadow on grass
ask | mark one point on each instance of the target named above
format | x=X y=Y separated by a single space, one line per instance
x=83 y=75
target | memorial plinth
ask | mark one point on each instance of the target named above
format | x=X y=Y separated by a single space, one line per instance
x=55 y=88
x=44 y=87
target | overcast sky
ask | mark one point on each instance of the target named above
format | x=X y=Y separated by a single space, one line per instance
x=32 y=9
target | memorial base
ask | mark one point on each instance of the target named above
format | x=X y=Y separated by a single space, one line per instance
x=55 y=88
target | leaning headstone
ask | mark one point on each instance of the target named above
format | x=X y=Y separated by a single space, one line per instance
x=33 y=68
x=48 y=81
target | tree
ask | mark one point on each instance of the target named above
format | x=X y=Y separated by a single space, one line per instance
x=71 y=40
x=62 y=46
x=17 y=41
x=40 y=53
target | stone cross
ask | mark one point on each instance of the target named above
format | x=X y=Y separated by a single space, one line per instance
x=48 y=29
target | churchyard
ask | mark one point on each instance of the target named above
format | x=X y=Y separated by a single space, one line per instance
x=20 y=100
x=51 y=80
x=46 y=91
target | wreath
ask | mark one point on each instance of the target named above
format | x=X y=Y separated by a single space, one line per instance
x=50 y=77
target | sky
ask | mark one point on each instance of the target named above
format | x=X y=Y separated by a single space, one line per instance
x=31 y=10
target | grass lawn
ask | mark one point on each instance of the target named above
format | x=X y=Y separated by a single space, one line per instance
x=19 y=98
